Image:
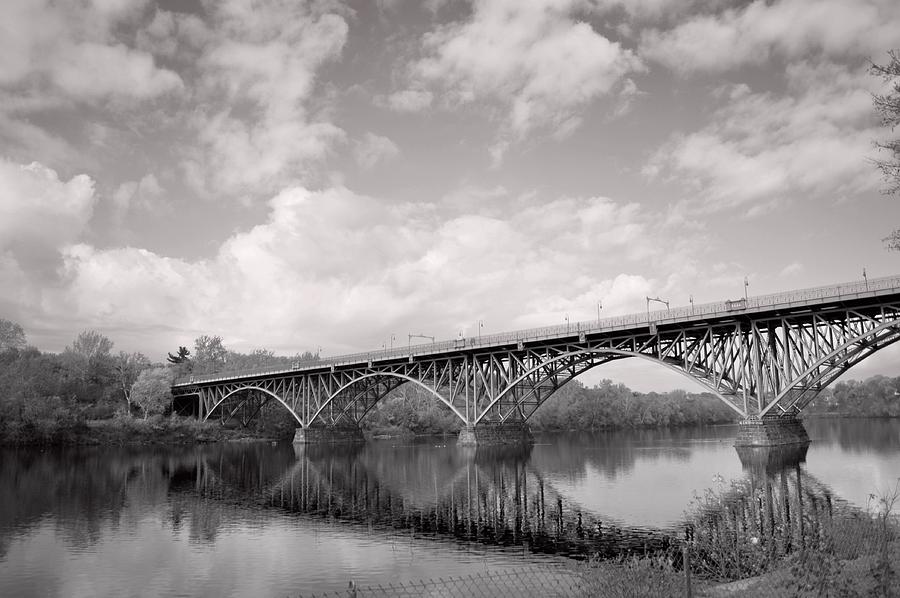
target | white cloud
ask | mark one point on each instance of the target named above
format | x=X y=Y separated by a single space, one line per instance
x=243 y=121
x=406 y=100
x=173 y=35
x=791 y=29
x=761 y=148
x=38 y=210
x=373 y=149
x=91 y=70
x=533 y=58
x=39 y=214
x=652 y=10
x=339 y=269
x=73 y=49
x=257 y=130
x=143 y=194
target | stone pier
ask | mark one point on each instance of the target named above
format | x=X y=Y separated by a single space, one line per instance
x=771 y=431
x=329 y=435
x=493 y=433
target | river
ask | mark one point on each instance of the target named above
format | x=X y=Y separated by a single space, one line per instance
x=271 y=519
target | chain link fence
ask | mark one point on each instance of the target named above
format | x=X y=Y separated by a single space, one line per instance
x=532 y=581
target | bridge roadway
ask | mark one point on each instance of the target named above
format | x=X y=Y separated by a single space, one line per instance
x=766 y=357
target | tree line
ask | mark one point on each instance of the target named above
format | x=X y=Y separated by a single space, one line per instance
x=607 y=405
x=878 y=396
x=44 y=395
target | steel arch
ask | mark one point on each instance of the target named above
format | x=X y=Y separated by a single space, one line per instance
x=251 y=387
x=384 y=374
x=839 y=367
x=599 y=351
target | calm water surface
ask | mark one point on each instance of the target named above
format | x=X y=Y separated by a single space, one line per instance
x=275 y=520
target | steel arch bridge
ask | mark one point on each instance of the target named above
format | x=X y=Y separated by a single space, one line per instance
x=765 y=357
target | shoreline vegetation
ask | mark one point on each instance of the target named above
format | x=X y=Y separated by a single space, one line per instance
x=762 y=539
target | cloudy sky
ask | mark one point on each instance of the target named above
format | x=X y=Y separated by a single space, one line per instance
x=294 y=175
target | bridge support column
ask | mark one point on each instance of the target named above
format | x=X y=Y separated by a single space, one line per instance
x=329 y=435
x=771 y=431
x=495 y=433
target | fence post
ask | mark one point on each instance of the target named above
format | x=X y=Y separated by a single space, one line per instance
x=686 y=562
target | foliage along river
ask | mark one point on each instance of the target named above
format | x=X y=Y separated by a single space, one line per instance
x=267 y=519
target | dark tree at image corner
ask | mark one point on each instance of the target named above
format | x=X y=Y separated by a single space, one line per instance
x=888 y=107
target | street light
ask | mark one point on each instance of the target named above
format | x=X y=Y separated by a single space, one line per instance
x=393 y=338
x=567 y=323
x=691 y=299
x=746 y=285
x=479 y=327
x=412 y=336
x=658 y=300
x=599 y=307
x=865 y=278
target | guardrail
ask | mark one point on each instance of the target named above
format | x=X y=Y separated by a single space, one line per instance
x=802 y=297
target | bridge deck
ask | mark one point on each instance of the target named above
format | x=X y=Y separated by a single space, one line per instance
x=722 y=311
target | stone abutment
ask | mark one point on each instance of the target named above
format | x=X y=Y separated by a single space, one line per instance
x=491 y=434
x=771 y=431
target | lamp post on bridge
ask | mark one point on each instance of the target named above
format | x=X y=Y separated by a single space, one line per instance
x=393 y=338
x=746 y=286
x=479 y=326
x=865 y=278
x=691 y=299
x=567 y=323
x=412 y=336
x=658 y=300
x=599 y=307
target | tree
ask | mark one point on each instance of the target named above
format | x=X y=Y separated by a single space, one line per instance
x=11 y=336
x=88 y=358
x=152 y=391
x=888 y=107
x=210 y=355
x=127 y=367
x=183 y=355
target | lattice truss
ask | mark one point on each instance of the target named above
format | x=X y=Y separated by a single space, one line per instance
x=759 y=366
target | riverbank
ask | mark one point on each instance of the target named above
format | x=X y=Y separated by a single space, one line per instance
x=173 y=430
x=848 y=553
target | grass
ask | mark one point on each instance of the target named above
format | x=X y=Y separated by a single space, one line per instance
x=761 y=543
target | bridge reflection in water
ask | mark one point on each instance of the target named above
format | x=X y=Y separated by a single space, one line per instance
x=776 y=509
x=495 y=496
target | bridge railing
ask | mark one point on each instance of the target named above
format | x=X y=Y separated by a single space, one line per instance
x=720 y=308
